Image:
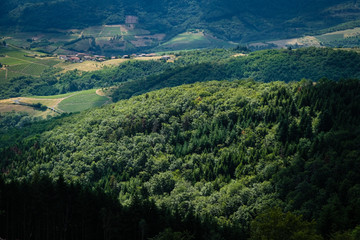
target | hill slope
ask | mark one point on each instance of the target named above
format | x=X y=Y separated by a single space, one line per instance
x=223 y=150
x=136 y=77
x=236 y=20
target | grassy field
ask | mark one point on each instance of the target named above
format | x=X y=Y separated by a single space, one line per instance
x=103 y=31
x=8 y=105
x=339 y=35
x=89 y=66
x=19 y=63
x=192 y=40
x=55 y=96
x=28 y=69
x=92 y=31
x=112 y=30
x=69 y=102
x=81 y=101
x=21 y=38
x=81 y=46
x=115 y=39
x=315 y=41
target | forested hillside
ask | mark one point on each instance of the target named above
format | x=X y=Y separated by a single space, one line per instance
x=264 y=66
x=175 y=120
x=136 y=77
x=222 y=160
x=236 y=20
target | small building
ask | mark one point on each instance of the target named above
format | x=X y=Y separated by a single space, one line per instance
x=89 y=58
x=151 y=55
x=126 y=56
x=63 y=57
x=165 y=57
x=81 y=55
x=74 y=59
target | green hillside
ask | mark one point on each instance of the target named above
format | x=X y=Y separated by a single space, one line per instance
x=19 y=62
x=82 y=101
x=193 y=40
x=180 y=120
x=233 y=20
x=224 y=151
x=264 y=66
x=136 y=77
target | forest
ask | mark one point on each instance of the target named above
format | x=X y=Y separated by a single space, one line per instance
x=228 y=19
x=210 y=144
x=238 y=159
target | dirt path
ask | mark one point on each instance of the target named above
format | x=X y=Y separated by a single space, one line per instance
x=101 y=93
x=56 y=106
x=52 y=104
x=98 y=92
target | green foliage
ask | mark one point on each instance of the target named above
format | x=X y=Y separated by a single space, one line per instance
x=137 y=77
x=169 y=234
x=49 y=83
x=351 y=234
x=14 y=120
x=245 y=21
x=54 y=209
x=265 y=66
x=273 y=224
x=38 y=106
x=222 y=151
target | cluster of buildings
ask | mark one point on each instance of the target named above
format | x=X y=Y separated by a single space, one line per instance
x=80 y=57
x=140 y=55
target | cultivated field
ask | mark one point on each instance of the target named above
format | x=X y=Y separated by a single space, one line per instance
x=89 y=66
x=311 y=41
x=21 y=62
x=69 y=102
x=8 y=105
x=82 y=100
x=193 y=40
x=112 y=30
x=339 y=35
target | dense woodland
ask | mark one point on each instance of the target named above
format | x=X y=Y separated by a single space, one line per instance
x=218 y=144
x=215 y=160
x=264 y=66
